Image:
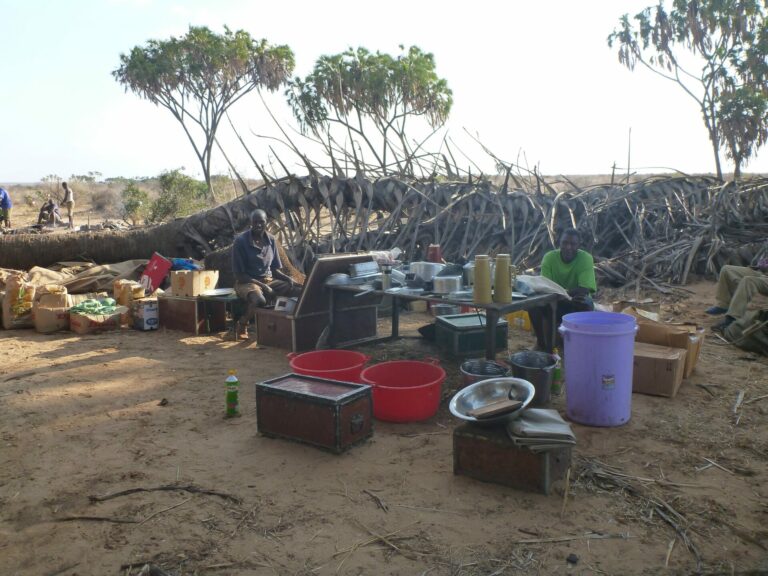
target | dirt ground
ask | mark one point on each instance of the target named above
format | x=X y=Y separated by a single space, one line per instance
x=93 y=415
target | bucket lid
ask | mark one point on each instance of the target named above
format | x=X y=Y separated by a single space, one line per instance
x=598 y=322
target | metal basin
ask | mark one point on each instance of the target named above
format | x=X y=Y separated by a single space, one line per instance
x=485 y=392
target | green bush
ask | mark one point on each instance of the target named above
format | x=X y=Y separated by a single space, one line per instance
x=179 y=196
x=135 y=203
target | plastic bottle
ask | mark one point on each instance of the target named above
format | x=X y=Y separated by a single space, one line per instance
x=557 y=374
x=233 y=386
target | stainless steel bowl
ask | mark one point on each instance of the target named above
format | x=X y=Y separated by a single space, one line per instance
x=485 y=392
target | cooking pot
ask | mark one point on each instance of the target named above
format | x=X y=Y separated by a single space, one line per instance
x=469 y=273
x=478 y=369
x=446 y=284
x=426 y=270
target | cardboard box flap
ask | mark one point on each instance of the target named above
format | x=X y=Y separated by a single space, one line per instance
x=683 y=335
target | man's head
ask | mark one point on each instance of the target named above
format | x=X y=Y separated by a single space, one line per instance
x=64 y=185
x=258 y=222
x=570 y=241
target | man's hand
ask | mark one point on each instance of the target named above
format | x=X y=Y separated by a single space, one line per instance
x=579 y=293
x=267 y=290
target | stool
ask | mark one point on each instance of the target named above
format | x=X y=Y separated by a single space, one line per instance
x=488 y=454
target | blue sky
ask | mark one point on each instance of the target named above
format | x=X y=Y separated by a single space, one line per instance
x=535 y=80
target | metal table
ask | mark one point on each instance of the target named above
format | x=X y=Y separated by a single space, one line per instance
x=493 y=312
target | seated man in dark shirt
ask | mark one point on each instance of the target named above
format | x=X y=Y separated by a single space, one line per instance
x=49 y=213
x=257 y=269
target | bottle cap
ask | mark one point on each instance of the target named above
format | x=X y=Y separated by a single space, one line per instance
x=231 y=371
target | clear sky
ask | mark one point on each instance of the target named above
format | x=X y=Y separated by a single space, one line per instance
x=533 y=79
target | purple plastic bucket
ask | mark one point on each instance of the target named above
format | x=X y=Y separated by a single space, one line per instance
x=599 y=349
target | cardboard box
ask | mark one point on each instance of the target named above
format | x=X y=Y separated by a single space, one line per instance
x=91 y=323
x=146 y=314
x=191 y=283
x=657 y=370
x=155 y=272
x=648 y=304
x=49 y=319
x=689 y=337
x=53 y=300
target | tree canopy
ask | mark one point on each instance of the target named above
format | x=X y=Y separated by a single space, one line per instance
x=728 y=39
x=358 y=89
x=199 y=76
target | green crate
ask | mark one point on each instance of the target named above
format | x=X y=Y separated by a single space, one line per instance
x=464 y=334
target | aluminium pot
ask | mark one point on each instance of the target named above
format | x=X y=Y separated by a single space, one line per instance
x=426 y=270
x=446 y=284
x=477 y=369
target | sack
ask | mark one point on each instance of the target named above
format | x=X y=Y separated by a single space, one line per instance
x=750 y=332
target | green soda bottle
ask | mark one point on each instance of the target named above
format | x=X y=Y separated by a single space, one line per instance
x=232 y=394
x=557 y=374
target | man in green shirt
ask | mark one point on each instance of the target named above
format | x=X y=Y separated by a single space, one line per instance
x=574 y=270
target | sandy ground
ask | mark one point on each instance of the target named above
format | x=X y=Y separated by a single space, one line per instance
x=82 y=416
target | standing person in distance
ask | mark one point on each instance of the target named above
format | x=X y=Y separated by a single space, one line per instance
x=573 y=269
x=258 y=271
x=5 y=207
x=69 y=202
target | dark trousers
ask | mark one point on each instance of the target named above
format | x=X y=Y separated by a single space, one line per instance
x=540 y=319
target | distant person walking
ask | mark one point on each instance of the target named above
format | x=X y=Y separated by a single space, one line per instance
x=69 y=202
x=5 y=208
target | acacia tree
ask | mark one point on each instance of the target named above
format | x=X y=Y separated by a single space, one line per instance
x=729 y=40
x=357 y=90
x=199 y=76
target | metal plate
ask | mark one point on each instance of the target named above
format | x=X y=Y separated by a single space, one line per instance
x=218 y=292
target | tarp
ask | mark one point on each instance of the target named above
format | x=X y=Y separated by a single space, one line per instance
x=81 y=277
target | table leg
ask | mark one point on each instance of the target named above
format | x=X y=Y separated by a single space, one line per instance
x=552 y=336
x=331 y=318
x=492 y=319
x=395 y=317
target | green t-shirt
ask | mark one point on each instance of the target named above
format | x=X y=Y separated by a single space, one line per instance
x=579 y=273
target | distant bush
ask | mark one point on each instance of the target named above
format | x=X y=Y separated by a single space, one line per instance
x=179 y=195
x=105 y=200
x=135 y=204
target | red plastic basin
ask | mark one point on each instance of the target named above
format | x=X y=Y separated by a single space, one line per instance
x=404 y=390
x=342 y=365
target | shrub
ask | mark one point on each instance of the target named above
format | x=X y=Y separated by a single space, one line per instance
x=135 y=203
x=104 y=200
x=179 y=195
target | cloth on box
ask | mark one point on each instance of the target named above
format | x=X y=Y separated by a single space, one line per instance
x=541 y=429
x=184 y=264
x=538 y=285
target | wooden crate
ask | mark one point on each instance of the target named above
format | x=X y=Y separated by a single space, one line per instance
x=324 y=413
x=192 y=315
x=488 y=454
